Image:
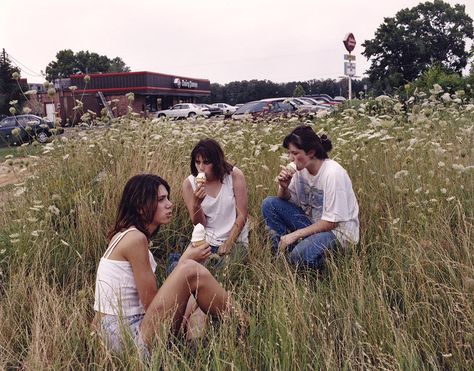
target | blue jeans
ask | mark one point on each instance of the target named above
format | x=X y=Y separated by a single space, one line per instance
x=283 y=217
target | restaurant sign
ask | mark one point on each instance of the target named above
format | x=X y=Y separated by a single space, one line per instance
x=184 y=84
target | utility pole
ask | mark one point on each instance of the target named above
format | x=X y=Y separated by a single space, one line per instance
x=4 y=57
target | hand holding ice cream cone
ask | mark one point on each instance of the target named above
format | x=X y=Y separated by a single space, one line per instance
x=200 y=179
x=198 y=237
x=286 y=173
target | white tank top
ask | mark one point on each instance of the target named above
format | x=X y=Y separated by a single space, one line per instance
x=220 y=213
x=115 y=289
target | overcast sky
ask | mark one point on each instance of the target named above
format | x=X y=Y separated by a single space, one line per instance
x=215 y=39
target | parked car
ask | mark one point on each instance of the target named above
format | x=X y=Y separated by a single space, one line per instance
x=183 y=110
x=302 y=106
x=15 y=130
x=226 y=108
x=324 y=99
x=264 y=108
x=213 y=110
x=319 y=106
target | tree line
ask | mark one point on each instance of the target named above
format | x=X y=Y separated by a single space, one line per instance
x=416 y=48
x=246 y=91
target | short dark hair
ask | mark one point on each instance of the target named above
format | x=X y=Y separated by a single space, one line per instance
x=211 y=151
x=306 y=139
x=138 y=204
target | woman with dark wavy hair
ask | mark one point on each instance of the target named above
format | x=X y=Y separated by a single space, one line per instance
x=315 y=209
x=128 y=301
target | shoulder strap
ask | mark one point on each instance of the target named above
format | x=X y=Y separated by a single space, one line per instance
x=116 y=240
x=192 y=180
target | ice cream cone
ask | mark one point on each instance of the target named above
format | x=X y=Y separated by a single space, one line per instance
x=199 y=235
x=291 y=167
x=200 y=179
x=198 y=243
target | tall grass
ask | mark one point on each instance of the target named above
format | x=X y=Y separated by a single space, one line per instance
x=402 y=298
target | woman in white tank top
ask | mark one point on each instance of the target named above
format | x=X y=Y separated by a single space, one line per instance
x=127 y=296
x=219 y=202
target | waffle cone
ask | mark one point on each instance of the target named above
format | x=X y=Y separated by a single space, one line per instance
x=198 y=243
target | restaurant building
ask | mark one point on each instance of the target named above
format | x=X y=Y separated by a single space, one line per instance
x=152 y=92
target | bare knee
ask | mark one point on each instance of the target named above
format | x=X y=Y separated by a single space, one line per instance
x=192 y=271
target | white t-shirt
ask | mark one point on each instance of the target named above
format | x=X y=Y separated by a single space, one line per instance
x=220 y=212
x=328 y=196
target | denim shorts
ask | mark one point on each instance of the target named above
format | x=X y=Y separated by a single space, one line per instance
x=118 y=329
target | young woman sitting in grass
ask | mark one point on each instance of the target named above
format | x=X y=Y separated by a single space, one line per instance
x=315 y=208
x=216 y=196
x=127 y=298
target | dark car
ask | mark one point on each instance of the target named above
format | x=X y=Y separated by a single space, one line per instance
x=264 y=108
x=214 y=110
x=15 y=130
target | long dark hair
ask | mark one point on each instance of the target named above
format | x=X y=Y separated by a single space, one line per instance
x=138 y=204
x=211 y=151
x=306 y=139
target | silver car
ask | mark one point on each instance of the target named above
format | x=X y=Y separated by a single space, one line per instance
x=183 y=110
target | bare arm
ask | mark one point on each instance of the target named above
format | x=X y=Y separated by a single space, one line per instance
x=135 y=250
x=241 y=209
x=318 y=227
x=193 y=200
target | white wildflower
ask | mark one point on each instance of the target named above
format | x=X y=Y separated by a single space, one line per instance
x=401 y=174
x=53 y=210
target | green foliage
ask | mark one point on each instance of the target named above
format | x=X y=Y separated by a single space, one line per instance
x=409 y=44
x=9 y=88
x=299 y=91
x=68 y=63
x=246 y=91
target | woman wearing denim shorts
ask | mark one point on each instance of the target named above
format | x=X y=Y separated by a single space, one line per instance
x=128 y=303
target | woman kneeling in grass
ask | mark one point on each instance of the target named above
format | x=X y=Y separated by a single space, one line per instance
x=127 y=297
x=315 y=208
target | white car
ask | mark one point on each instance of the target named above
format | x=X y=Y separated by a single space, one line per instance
x=183 y=110
x=226 y=108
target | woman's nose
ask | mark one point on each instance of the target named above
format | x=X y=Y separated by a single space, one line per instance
x=170 y=204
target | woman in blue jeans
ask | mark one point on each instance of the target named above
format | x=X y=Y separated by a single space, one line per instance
x=315 y=209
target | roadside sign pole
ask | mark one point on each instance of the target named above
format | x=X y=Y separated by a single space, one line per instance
x=349 y=67
x=350 y=87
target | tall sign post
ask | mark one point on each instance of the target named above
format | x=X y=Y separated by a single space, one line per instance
x=349 y=66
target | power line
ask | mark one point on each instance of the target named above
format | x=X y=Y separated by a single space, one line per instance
x=25 y=69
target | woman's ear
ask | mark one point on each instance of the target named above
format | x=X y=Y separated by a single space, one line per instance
x=311 y=153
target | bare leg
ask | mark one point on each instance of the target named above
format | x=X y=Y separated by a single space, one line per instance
x=189 y=277
x=195 y=320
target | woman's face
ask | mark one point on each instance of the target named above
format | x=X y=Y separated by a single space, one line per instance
x=204 y=166
x=298 y=156
x=164 y=209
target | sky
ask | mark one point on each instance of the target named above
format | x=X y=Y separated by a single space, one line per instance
x=219 y=40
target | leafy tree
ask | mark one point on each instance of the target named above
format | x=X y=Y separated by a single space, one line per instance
x=9 y=87
x=67 y=63
x=409 y=44
x=299 y=91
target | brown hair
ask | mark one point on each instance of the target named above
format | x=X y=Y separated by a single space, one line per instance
x=306 y=139
x=211 y=151
x=138 y=204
